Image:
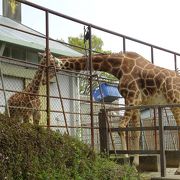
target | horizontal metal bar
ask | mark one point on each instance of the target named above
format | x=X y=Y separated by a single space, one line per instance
x=93 y=26
x=41 y=95
x=53 y=12
x=73 y=127
x=134 y=152
x=143 y=106
x=60 y=71
x=135 y=129
x=16 y=29
x=171 y=127
x=144 y=128
x=24 y=62
x=44 y=37
x=69 y=113
x=140 y=151
x=52 y=111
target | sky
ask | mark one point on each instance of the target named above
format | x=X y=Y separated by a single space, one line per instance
x=152 y=21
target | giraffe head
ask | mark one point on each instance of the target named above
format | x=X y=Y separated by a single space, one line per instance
x=54 y=63
x=73 y=63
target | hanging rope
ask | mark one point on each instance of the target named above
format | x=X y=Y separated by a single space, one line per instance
x=87 y=38
x=86 y=53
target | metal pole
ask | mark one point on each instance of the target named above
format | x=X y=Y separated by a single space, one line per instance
x=154 y=109
x=62 y=105
x=161 y=143
x=126 y=132
x=91 y=81
x=175 y=62
x=47 y=71
x=4 y=93
x=173 y=141
x=143 y=134
x=2 y=80
x=103 y=132
x=152 y=55
x=155 y=131
x=106 y=116
x=124 y=44
x=93 y=26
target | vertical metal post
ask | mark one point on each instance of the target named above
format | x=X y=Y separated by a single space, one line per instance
x=152 y=55
x=154 y=110
x=127 y=133
x=175 y=62
x=106 y=117
x=60 y=97
x=47 y=71
x=155 y=131
x=91 y=81
x=161 y=143
x=2 y=48
x=103 y=132
x=171 y=134
x=124 y=44
x=4 y=93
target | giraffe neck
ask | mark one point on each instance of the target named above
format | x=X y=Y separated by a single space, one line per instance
x=107 y=63
x=34 y=85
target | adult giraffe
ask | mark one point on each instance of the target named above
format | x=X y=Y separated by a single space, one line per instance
x=26 y=103
x=140 y=83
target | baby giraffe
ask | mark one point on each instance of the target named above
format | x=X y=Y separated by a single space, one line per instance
x=23 y=105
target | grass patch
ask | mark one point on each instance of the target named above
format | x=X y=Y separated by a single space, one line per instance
x=32 y=152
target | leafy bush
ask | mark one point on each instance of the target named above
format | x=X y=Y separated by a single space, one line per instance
x=32 y=152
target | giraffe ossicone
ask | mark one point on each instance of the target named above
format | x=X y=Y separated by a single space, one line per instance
x=140 y=83
x=23 y=105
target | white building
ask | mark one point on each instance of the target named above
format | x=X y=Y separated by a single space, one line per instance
x=16 y=44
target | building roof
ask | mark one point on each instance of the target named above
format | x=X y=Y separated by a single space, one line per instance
x=28 y=40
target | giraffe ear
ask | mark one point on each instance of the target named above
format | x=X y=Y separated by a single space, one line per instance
x=58 y=62
x=40 y=54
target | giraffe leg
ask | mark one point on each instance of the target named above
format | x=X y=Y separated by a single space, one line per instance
x=26 y=118
x=36 y=117
x=176 y=113
x=123 y=123
x=135 y=135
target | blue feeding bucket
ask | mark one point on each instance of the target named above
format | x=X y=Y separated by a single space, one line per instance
x=109 y=93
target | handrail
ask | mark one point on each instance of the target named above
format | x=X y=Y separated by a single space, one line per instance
x=95 y=26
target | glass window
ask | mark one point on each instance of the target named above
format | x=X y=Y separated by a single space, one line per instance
x=18 y=52
x=32 y=56
x=7 y=52
x=21 y=53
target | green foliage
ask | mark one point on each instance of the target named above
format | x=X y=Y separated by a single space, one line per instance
x=32 y=152
x=97 y=43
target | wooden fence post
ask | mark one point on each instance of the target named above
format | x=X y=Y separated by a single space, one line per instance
x=103 y=132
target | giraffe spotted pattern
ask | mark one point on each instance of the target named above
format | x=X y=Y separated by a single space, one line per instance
x=140 y=83
x=23 y=105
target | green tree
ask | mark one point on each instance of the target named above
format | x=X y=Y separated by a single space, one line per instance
x=97 y=43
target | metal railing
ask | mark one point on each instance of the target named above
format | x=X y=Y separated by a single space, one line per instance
x=124 y=45
x=104 y=133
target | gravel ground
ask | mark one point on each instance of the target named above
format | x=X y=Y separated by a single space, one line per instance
x=169 y=172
